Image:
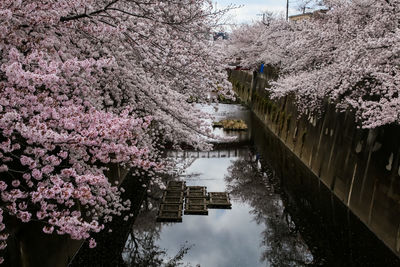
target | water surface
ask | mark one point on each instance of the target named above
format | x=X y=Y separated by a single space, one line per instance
x=245 y=235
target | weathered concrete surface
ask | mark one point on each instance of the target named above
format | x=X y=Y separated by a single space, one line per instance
x=360 y=167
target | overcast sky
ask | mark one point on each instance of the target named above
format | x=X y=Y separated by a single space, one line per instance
x=251 y=8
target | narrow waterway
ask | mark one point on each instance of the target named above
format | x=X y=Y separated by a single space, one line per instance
x=257 y=231
x=246 y=235
x=281 y=215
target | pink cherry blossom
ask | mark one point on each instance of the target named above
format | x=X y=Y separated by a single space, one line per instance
x=88 y=85
x=37 y=174
x=347 y=56
x=15 y=183
x=3 y=168
x=24 y=216
x=3 y=186
x=92 y=243
x=48 y=229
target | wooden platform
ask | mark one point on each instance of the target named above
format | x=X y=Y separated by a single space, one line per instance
x=169 y=207
x=196 y=188
x=173 y=194
x=196 y=192
x=197 y=201
x=219 y=200
x=176 y=186
x=194 y=209
x=172 y=202
x=223 y=195
x=196 y=195
x=176 y=183
x=169 y=216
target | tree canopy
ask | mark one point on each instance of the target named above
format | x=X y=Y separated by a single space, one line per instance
x=84 y=84
x=348 y=55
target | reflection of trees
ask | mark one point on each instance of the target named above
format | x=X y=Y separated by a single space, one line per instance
x=123 y=232
x=110 y=241
x=259 y=188
x=141 y=250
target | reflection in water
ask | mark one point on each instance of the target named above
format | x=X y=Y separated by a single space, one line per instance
x=141 y=250
x=253 y=233
x=256 y=232
x=224 y=237
x=258 y=187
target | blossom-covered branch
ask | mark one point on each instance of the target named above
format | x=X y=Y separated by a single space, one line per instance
x=348 y=54
x=84 y=84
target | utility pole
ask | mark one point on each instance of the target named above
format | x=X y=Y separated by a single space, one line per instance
x=263 y=15
x=287 y=10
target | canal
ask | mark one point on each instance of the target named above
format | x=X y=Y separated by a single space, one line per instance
x=273 y=221
x=257 y=231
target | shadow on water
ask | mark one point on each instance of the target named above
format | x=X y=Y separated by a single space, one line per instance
x=334 y=234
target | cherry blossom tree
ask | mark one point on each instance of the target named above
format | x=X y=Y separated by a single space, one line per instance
x=85 y=84
x=262 y=43
x=349 y=56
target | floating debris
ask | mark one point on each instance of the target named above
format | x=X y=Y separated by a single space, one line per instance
x=196 y=200
x=231 y=125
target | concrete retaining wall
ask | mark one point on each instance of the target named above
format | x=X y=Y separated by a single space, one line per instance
x=360 y=167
